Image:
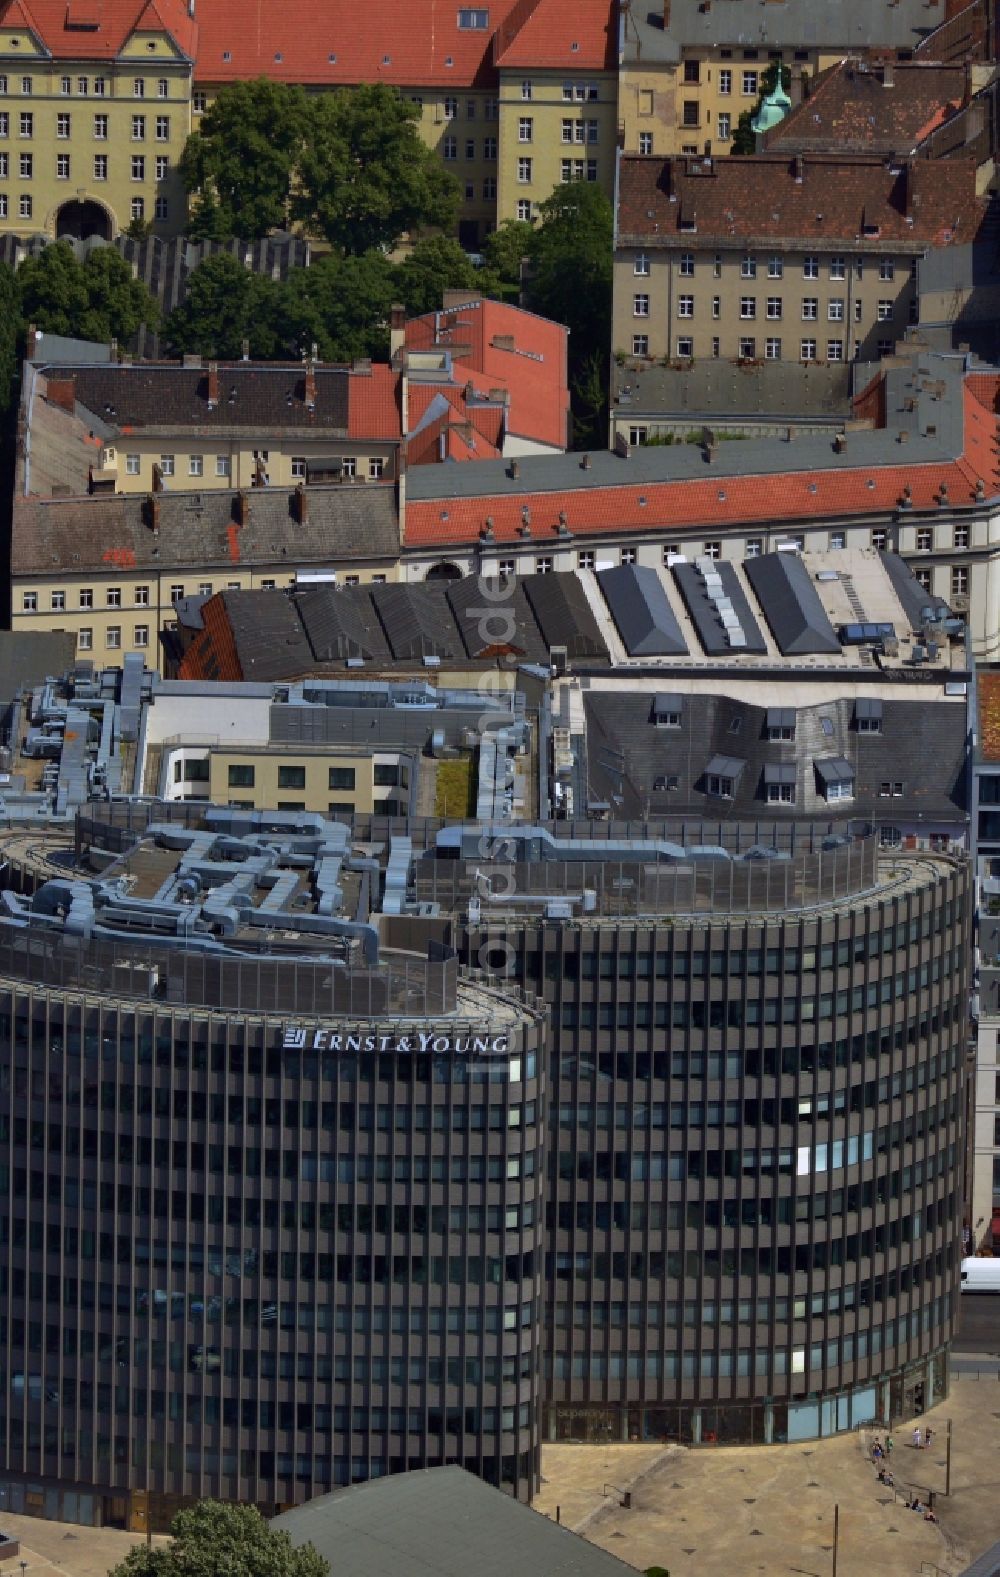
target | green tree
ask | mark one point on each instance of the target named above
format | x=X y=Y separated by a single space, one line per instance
x=217 y=1540
x=436 y=264
x=10 y=329
x=98 y=299
x=570 y=281
x=226 y=304
x=340 y=304
x=364 y=176
x=506 y=246
x=243 y=158
x=744 y=137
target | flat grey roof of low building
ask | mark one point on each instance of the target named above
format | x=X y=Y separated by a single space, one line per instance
x=440 y=1522
x=782 y=24
x=710 y=390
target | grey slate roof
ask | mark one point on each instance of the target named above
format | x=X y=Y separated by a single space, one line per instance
x=850 y=24
x=791 y=604
x=269 y=638
x=922 y=744
x=259 y=395
x=341 y=624
x=560 y=605
x=488 y=622
x=703 y=613
x=416 y=622
x=645 y=620
x=440 y=1522
x=200 y=530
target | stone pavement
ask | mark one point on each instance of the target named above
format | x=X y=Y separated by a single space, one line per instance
x=738 y=1511
x=62 y=1549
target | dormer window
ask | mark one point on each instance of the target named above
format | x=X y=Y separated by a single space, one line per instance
x=780 y=722
x=868 y=716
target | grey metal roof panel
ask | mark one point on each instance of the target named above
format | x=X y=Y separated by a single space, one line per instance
x=781 y=717
x=791 y=605
x=440 y=1522
x=564 y=615
x=779 y=772
x=912 y=596
x=725 y=767
x=868 y=706
x=640 y=608
x=704 y=615
x=667 y=704
x=834 y=769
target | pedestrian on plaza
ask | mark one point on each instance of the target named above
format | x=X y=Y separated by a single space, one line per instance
x=928 y=1437
x=889 y=1443
x=917 y=1439
x=877 y=1452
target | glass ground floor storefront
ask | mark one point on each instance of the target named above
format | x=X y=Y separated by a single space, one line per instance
x=904 y=1394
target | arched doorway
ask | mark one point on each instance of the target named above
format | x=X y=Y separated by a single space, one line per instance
x=80 y=221
x=444 y=571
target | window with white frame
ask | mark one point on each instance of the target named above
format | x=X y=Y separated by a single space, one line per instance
x=645 y=142
x=113 y=637
x=133 y=464
x=140 y=635
x=723 y=126
x=640 y=266
x=686 y=267
x=748 y=306
x=807 y=350
x=772 y=349
x=685 y=306
x=748 y=348
x=810 y=267
x=774 y=306
x=85 y=639
x=810 y=308
x=685 y=347
x=640 y=305
x=196 y=465
x=835 y=309
x=640 y=344
x=748 y=268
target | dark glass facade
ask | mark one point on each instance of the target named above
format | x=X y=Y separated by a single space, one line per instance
x=713 y=1192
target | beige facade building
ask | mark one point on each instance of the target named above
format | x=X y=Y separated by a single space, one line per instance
x=779 y=258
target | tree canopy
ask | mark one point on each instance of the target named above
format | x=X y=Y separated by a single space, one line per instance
x=570 y=280
x=348 y=164
x=224 y=305
x=98 y=299
x=243 y=158
x=436 y=264
x=217 y=1540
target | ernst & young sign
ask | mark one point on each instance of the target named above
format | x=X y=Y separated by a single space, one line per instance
x=435 y=1042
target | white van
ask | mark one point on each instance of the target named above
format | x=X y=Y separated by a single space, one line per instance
x=981 y=1275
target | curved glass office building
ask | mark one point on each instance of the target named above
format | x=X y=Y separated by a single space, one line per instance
x=327 y=1155
x=271 y=1215
x=755 y=1150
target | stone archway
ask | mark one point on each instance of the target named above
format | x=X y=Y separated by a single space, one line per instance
x=80 y=221
x=445 y=570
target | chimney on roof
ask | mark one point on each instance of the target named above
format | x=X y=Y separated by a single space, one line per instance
x=157 y=478
x=32 y=341
x=840 y=443
x=114 y=348
x=62 y=392
x=310 y=382
x=300 y=505
x=515 y=470
x=942 y=497
x=486 y=530
x=242 y=502
x=191 y=8
x=525 y=527
x=245 y=347
x=585 y=463
x=564 y=530
x=397 y=328
x=797 y=86
x=799 y=168
x=666 y=14
x=980 y=491
x=888 y=75
x=213 y=385
x=911 y=196
x=151 y=512
x=906 y=502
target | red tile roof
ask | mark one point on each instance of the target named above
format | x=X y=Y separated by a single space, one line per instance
x=66 y=27
x=850 y=107
x=925 y=201
x=722 y=501
x=334 y=43
x=509 y=349
x=373 y=403
x=559 y=35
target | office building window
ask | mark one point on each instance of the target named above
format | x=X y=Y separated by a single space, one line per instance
x=85 y=639
x=113 y=637
x=723 y=126
x=196 y=465
x=62 y=166
x=748 y=306
x=750 y=84
x=685 y=348
x=100 y=166
x=640 y=344
x=774 y=306
x=835 y=310
x=834 y=350
x=810 y=267
x=525 y=128
x=640 y=305
x=810 y=308
x=645 y=142
x=140 y=635
x=772 y=349
x=162 y=167
x=748 y=348
x=163 y=128
x=884 y=311
x=524 y=170
x=25 y=166
x=685 y=306
x=27 y=124
x=138 y=128
x=24 y=206
x=101 y=128
x=138 y=167
x=62 y=127
x=807 y=350
x=959 y=582
x=725 y=83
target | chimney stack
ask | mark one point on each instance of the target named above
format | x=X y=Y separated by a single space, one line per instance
x=242 y=508
x=888 y=75
x=515 y=471
x=799 y=168
x=585 y=463
x=840 y=443
x=152 y=512
x=61 y=392
x=213 y=385
x=246 y=349
x=157 y=478
x=32 y=342
x=310 y=384
x=300 y=505
x=943 y=495
x=980 y=491
x=397 y=328
x=666 y=15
